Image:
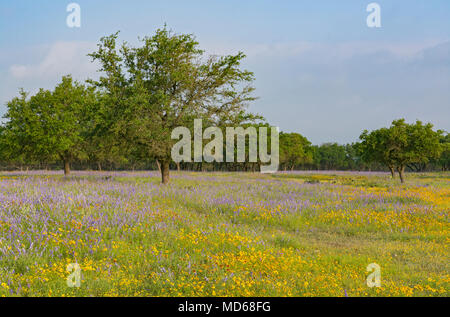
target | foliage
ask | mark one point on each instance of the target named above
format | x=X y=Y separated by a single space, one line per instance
x=294 y=150
x=124 y=119
x=401 y=145
x=166 y=83
x=49 y=125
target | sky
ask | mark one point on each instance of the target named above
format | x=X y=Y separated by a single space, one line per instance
x=320 y=70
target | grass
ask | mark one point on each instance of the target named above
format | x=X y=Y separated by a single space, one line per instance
x=224 y=234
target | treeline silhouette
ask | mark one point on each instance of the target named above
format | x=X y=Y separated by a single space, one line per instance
x=327 y=156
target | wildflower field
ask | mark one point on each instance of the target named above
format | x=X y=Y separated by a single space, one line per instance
x=224 y=234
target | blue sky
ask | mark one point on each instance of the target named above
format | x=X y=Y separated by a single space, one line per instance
x=319 y=69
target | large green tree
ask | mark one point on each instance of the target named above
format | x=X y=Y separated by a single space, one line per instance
x=414 y=144
x=17 y=142
x=51 y=125
x=294 y=150
x=166 y=82
x=401 y=145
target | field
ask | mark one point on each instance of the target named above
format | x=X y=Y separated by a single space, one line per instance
x=224 y=234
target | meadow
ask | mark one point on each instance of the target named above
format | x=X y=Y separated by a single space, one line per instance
x=224 y=234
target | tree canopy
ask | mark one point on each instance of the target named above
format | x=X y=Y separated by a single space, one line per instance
x=164 y=83
x=402 y=145
x=50 y=125
x=295 y=150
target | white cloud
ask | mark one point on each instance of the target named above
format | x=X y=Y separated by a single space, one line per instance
x=64 y=58
x=18 y=71
x=61 y=59
x=323 y=50
x=255 y=50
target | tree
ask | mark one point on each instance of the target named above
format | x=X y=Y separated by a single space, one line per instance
x=401 y=145
x=375 y=147
x=329 y=156
x=413 y=143
x=444 y=160
x=50 y=125
x=17 y=140
x=294 y=150
x=164 y=83
x=353 y=157
x=101 y=146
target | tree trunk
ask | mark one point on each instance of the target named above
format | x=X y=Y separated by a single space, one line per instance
x=99 y=166
x=178 y=167
x=391 y=168
x=159 y=166
x=165 y=172
x=423 y=167
x=66 y=167
x=401 y=171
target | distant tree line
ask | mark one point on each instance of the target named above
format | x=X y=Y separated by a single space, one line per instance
x=124 y=120
x=399 y=148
